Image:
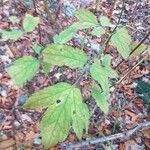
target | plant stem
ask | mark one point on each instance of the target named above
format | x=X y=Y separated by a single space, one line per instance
x=140 y=43
x=39 y=28
x=132 y=69
x=109 y=38
x=50 y=18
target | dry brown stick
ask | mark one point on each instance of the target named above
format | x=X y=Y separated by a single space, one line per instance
x=124 y=135
x=144 y=58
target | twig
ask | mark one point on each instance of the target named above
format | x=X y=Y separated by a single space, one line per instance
x=39 y=28
x=132 y=69
x=124 y=135
x=140 y=43
x=49 y=13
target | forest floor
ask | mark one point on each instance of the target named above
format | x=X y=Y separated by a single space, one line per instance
x=129 y=102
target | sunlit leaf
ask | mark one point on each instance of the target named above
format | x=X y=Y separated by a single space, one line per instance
x=11 y=35
x=101 y=98
x=84 y=15
x=65 y=35
x=70 y=32
x=122 y=41
x=55 y=125
x=66 y=108
x=30 y=23
x=64 y=55
x=80 y=114
x=48 y=96
x=23 y=70
x=99 y=74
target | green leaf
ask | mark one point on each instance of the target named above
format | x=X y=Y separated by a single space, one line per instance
x=23 y=70
x=84 y=15
x=37 y=48
x=55 y=125
x=106 y=63
x=66 y=108
x=11 y=35
x=105 y=21
x=64 y=55
x=65 y=35
x=101 y=98
x=122 y=41
x=138 y=51
x=30 y=23
x=70 y=32
x=99 y=74
x=98 y=31
x=47 y=67
x=80 y=114
x=14 y=19
x=48 y=96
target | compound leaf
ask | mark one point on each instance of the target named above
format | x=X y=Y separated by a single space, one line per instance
x=122 y=41
x=64 y=100
x=30 y=23
x=101 y=98
x=64 y=55
x=84 y=15
x=23 y=70
x=11 y=35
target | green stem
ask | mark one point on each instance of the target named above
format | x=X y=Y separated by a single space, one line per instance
x=109 y=38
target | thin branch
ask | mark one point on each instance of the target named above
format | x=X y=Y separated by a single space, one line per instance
x=124 y=135
x=132 y=69
x=49 y=13
x=140 y=43
x=39 y=28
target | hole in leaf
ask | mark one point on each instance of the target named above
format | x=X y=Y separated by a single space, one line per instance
x=58 y=101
